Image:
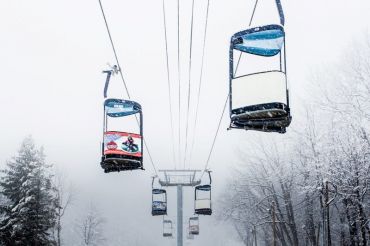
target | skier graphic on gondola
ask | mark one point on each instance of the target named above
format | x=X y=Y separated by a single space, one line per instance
x=129 y=145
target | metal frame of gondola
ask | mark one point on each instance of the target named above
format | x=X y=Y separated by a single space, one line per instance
x=282 y=66
x=105 y=127
x=199 y=187
x=282 y=56
x=165 y=221
x=162 y=191
x=190 y=225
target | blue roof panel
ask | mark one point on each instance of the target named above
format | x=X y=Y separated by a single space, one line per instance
x=121 y=108
x=262 y=41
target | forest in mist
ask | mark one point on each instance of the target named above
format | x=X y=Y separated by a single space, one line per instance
x=309 y=186
x=313 y=189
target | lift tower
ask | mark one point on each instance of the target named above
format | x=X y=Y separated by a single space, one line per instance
x=179 y=179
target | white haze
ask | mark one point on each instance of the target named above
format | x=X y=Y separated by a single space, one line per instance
x=52 y=55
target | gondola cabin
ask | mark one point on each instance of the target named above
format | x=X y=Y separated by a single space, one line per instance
x=194 y=225
x=167 y=228
x=259 y=100
x=203 y=204
x=159 y=202
x=121 y=150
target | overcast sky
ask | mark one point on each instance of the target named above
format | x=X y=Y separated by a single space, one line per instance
x=52 y=55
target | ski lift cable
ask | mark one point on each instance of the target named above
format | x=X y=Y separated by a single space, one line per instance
x=169 y=81
x=123 y=80
x=250 y=23
x=189 y=83
x=179 y=76
x=215 y=138
x=254 y=11
x=114 y=48
x=201 y=74
x=200 y=82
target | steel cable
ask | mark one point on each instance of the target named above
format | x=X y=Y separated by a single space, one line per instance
x=169 y=82
x=215 y=138
x=200 y=82
x=189 y=85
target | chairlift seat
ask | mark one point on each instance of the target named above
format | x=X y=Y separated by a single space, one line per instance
x=203 y=207
x=194 y=225
x=117 y=163
x=269 y=117
x=159 y=208
x=259 y=102
x=194 y=229
x=203 y=187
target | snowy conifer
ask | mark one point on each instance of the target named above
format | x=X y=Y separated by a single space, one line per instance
x=29 y=212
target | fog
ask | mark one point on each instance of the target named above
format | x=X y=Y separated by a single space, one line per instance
x=52 y=57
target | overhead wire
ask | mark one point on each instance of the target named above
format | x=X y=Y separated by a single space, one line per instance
x=123 y=80
x=114 y=49
x=250 y=23
x=254 y=11
x=189 y=83
x=179 y=75
x=200 y=81
x=215 y=138
x=168 y=81
x=223 y=111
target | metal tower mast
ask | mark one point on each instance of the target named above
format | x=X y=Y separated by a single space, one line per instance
x=180 y=179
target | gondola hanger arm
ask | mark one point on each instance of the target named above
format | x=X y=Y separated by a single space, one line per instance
x=153 y=178
x=113 y=70
x=281 y=12
x=209 y=175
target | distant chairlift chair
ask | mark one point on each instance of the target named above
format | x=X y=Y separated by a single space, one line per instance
x=167 y=228
x=159 y=201
x=260 y=101
x=203 y=195
x=194 y=225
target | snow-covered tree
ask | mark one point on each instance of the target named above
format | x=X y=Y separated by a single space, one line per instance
x=312 y=188
x=63 y=198
x=29 y=212
x=90 y=228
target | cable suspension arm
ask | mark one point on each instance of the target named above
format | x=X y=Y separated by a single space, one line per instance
x=109 y=74
x=281 y=12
